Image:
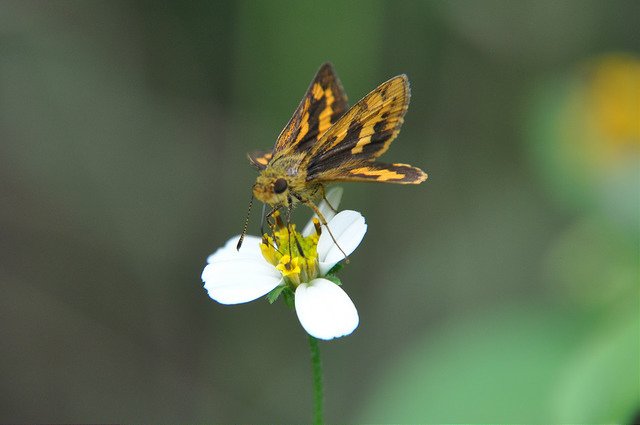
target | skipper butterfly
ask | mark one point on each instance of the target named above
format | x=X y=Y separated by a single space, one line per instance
x=325 y=141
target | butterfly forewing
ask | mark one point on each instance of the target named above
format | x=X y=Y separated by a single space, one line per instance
x=347 y=150
x=323 y=104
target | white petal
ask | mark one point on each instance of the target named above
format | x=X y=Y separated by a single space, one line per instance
x=334 y=195
x=348 y=227
x=250 y=249
x=325 y=311
x=239 y=280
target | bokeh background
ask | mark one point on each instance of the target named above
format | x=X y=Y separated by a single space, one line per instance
x=504 y=289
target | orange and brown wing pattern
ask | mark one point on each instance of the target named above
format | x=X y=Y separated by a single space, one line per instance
x=323 y=104
x=260 y=159
x=362 y=134
x=379 y=172
x=369 y=127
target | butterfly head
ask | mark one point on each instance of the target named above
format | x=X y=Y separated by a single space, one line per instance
x=272 y=189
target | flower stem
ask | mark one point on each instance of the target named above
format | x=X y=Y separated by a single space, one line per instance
x=318 y=390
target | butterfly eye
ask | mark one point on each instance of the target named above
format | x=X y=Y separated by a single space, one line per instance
x=280 y=186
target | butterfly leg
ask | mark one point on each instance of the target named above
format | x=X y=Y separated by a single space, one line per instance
x=324 y=197
x=295 y=234
x=267 y=218
x=263 y=217
x=273 y=221
x=323 y=221
x=289 y=203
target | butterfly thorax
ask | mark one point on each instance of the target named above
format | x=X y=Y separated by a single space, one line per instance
x=284 y=181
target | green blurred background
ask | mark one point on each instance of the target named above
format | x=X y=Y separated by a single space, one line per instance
x=504 y=289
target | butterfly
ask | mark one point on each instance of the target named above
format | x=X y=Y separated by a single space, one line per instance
x=325 y=141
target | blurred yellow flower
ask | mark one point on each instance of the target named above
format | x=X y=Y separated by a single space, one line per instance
x=585 y=135
x=614 y=100
x=600 y=120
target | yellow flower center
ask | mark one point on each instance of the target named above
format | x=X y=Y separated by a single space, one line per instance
x=294 y=255
x=614 y=99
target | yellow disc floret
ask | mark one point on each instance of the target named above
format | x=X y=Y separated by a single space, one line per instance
x=290 y=268
x=294 y=255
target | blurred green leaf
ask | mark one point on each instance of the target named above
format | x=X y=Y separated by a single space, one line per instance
x=499 y=367
x=593 y=263
x=601 y=382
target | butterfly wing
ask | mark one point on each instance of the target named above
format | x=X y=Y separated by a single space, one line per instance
x=378 y=172
x=260 y=159
x=346 y=152
x=323 y=104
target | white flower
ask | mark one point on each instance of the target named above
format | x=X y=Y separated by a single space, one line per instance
x=300 y=262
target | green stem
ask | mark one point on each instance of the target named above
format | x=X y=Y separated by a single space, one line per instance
x=318 y=391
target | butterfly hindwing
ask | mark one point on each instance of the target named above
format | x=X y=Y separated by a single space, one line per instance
x=378 y=172
x=323 y=104
x=260 y=159
x=363 y=134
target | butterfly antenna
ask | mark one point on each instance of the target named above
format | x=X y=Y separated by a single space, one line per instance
x=246 y=224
